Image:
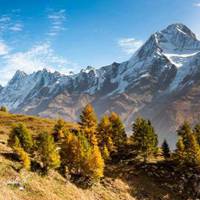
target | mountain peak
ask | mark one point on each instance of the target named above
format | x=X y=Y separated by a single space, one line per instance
x=88 y=69
x=176 y=38
x=19 y=75
x=181 y=29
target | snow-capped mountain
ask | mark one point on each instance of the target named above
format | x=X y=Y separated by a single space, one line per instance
x=160 y=81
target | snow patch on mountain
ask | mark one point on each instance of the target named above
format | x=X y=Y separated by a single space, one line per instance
x=174 y=46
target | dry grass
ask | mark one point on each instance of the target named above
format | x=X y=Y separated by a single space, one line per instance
x=53 y=186
x=121 y=183
x=36 y=124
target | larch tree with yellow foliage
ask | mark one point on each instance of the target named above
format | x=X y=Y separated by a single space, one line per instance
x=104 y=134
x=88 y=124
x=95 y=164
x=74 y=153
x=180 y=151
x=119 y=136
x=21 y=136
x=59 y=130
x=23 y=157
x=193 y=152
x=47 y=152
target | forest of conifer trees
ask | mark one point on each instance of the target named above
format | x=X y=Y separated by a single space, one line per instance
x=83 y=153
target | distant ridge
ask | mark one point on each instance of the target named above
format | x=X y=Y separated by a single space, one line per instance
x=160 y=82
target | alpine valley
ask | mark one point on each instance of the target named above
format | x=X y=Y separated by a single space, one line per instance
x=161 y=82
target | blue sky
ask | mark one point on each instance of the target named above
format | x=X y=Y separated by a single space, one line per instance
x=67 y=35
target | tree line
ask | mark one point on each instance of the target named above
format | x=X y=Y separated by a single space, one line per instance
x=85 y=151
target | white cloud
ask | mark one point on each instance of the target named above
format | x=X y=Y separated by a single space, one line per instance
x=197 y=4
x=3 y=48
x=10 y=23
x=16 y=27
x=129 y=45
x=38 y=57
x=4 y=18
x=57 y=19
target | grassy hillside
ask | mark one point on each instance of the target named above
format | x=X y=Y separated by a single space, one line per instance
x=36 y=124
x=120 y=182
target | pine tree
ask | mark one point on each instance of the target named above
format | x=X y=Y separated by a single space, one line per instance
x=47 y=152
x=95 y=164
x=144 y=138
x=165 y=149
x=21 y=135
x=88 y=124
x=118 y=133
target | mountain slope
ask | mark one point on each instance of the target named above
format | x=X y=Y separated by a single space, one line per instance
x=160 y=81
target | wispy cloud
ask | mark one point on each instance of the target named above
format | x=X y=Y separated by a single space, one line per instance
x=10 y=23
x=16 y=27
x=129 y=45
x=197 y=4
x=4 y=49
x=38 y=57
x=4 y=18
x=57 y=19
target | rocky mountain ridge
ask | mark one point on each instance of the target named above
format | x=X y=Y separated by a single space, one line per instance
x=160 y=82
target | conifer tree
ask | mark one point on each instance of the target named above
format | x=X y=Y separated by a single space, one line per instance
x=188 y=149
x=80 y=157
x=105 y=153
x=104 y=134
x=88 y=124
x=197 y=132
x=74 y=152
x=103 y=130
x=193 y=152
x=95 y=164
x=59 y=130
x=144 y=138
x=47 y=152
x=165 y=149
x=119 y=136
x=185 y=131
x=88 y=117
x=180 y=151
x=23 y=157
x=22 y=137
x=3 y=109
x=69 y=151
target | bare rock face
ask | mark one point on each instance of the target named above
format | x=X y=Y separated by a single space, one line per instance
x=160 y=82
